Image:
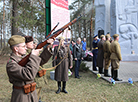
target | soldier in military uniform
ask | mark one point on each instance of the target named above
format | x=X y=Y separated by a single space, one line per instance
x=40 y=80
x=95 y=51
x=107 y=53
x=115 y=57
x=22 y=77
x=61 y=71
x=100 y=57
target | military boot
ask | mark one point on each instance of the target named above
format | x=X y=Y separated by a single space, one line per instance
x=59 y=87
x=116 y=76
x=106 y=73
x=112 y=73
x=64 y=86
x=101 y=70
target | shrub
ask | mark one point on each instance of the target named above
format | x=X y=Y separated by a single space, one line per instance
x=83 y=67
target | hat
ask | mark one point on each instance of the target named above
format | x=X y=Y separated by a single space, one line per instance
x=16 y=39
x=115 y=35
x=28 y=39
x=107 y=35
x=102 y=36
x=61 y=37
x=35 y=41
x=95 y=36
x=108 y=32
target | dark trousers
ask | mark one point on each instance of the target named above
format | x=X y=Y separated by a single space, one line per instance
x=77 y=66
x=94 y=61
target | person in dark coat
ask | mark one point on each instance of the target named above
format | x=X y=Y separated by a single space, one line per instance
x=95 y=51
x=23 y=76
x=62 y=55
x=100 y=57
x=78 y=56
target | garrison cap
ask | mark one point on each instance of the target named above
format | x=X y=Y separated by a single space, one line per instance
x=115 y=35
x=102 y=36
x=107 y=35
x=16 y=39
x=95 y=36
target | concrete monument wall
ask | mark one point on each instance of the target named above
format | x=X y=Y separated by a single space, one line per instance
x=102 y=15
x=124 y=21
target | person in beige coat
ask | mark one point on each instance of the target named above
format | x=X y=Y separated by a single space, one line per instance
x=61 y=71
x=22 y=77
x=115 y=56
x=107 y=53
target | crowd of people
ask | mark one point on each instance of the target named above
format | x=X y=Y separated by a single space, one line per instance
x=26 y=78
x=105 y=52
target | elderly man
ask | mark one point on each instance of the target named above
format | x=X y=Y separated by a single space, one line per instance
x=22 y=77
x=115 y=57
x=78 y=56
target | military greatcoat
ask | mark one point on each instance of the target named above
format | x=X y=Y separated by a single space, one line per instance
x=100 y=56
x=61 y=71
x=115 y=54
x=20 y=76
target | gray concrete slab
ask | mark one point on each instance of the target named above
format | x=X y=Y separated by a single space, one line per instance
x=127 y=70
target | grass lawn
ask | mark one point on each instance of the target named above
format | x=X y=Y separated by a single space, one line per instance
x=85 y=89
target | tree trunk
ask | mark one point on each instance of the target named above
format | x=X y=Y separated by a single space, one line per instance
x=14 y=19
x=1 y=36
x=91 y=29
x=4 y=35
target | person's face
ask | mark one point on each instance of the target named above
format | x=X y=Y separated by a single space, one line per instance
x=103 y=38
x=35 y=45
x=84 y=39
x=117 y=38
x=109 y=38
x=79 y=41
x=62 y=41
x=95 y=38
x=30 y=45
x=20 y=49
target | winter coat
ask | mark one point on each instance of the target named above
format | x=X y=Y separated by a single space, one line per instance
x=61 y=71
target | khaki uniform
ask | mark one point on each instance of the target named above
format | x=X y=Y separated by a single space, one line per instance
x=115 y=55
x=20 y=76
x=107 y=53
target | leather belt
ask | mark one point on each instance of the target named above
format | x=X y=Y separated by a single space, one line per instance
x=96 y=48
x=17 y=87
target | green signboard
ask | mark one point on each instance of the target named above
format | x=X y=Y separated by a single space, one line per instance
x=48 y=16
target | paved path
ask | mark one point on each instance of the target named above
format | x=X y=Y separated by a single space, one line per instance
x=127 y=70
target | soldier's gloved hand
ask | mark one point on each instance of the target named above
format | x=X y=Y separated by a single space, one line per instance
x=36 y=51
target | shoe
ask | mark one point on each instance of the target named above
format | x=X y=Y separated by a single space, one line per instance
x=116 y=76
x=59 y=88
x=77 y=77
x=95 y=69
x=64 y=86
x=106 y=73
x=80 y=76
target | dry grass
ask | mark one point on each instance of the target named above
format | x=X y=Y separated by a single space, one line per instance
x=85 y=89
